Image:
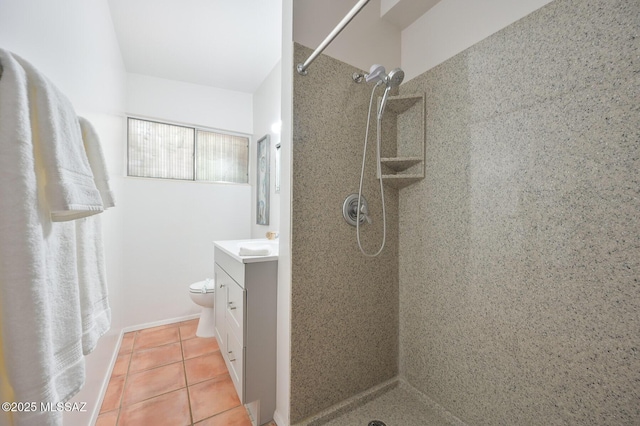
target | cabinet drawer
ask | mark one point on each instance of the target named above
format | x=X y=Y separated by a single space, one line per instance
x=235 y=311
x=231 y=266
x=235 y=355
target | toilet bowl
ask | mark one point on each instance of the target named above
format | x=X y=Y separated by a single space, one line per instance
x=202 y=293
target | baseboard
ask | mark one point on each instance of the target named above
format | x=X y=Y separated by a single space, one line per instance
x=159 y=323
x=105 y=381
x=279 y=419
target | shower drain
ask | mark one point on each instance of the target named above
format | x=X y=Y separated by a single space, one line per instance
x=376 y=423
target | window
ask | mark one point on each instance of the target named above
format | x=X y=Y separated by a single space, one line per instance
x=161 y=150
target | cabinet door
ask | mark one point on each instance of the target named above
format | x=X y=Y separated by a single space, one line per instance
x=235 y=311
x=222 y=282
x=235 y=364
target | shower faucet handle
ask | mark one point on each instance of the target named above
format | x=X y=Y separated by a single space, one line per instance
x=364 y=212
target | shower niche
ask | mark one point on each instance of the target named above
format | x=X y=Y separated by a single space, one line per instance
x=403 y=140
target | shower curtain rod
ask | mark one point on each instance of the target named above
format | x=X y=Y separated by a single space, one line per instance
x=302 y=68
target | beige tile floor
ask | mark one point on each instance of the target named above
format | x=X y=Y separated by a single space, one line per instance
x=167 y=376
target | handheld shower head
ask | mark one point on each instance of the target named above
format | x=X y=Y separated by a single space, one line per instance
x=392 y=80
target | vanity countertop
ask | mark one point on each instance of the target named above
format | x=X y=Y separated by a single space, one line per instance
x=232 y=248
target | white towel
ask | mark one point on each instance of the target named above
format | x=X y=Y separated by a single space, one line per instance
x=254 y=251
x=97 y=162
x=39 y=300
x=70 y=188
x=94 y=301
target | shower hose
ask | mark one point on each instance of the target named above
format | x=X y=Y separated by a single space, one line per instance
x=379 y=171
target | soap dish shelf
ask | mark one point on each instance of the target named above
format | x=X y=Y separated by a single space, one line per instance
x=400 y=164
x=397 y=165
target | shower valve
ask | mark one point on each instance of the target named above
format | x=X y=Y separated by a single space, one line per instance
x=350 y=210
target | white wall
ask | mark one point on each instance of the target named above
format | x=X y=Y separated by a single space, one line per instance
x=169 y=230
x=74 y=45
x=170 y=226
x=190 y=103
x=445 y=30
x=266 y=112
x=451 y=26
x=367 y=40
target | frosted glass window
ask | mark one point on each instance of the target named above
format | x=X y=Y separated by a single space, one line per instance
x=222 y=158
x=161 y=150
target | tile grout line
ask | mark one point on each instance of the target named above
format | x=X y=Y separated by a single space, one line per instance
x=184 y=369
x=126 y=376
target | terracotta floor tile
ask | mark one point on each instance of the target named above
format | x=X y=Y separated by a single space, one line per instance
x=113 y=394
x=149 y=383
x=188 y=330
x=171 y=409
x=126 y=346
x=212 y=397
x=235 y=417
x=107 y=419
x=199 y=346
x=205 y=367
x=155 y=357
x=121 y=366
x=148 y=339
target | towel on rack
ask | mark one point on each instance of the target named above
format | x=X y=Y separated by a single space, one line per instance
x=97 y=163
x=94 y=301
x=70 y=188
x=39 y=300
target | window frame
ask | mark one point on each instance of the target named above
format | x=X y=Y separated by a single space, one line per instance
x=195 y=129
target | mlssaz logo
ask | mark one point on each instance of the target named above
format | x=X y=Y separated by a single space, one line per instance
x=63 y=406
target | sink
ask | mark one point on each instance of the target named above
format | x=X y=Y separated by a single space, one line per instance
x=232 y=247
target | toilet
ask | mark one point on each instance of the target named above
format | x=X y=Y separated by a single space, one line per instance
x=202 y=293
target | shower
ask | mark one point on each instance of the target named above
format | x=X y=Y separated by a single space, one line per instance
x=355 y=207
x=390 y=81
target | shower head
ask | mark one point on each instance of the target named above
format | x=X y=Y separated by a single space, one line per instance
x=392 y=80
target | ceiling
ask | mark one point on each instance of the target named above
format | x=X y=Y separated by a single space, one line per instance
x=229 y=44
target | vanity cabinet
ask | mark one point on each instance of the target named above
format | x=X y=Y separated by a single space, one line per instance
x=245 y=327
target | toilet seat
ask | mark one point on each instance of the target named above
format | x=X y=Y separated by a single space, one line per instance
x=206 y=286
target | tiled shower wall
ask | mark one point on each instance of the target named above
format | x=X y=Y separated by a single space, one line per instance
x=520 y=250
x=344 y=318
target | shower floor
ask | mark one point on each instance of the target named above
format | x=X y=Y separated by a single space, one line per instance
x=400 y=405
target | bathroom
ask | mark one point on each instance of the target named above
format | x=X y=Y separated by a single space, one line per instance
x=508 y=288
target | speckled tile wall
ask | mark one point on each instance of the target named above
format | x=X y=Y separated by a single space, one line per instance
x=520 y=250
x=344 y=318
